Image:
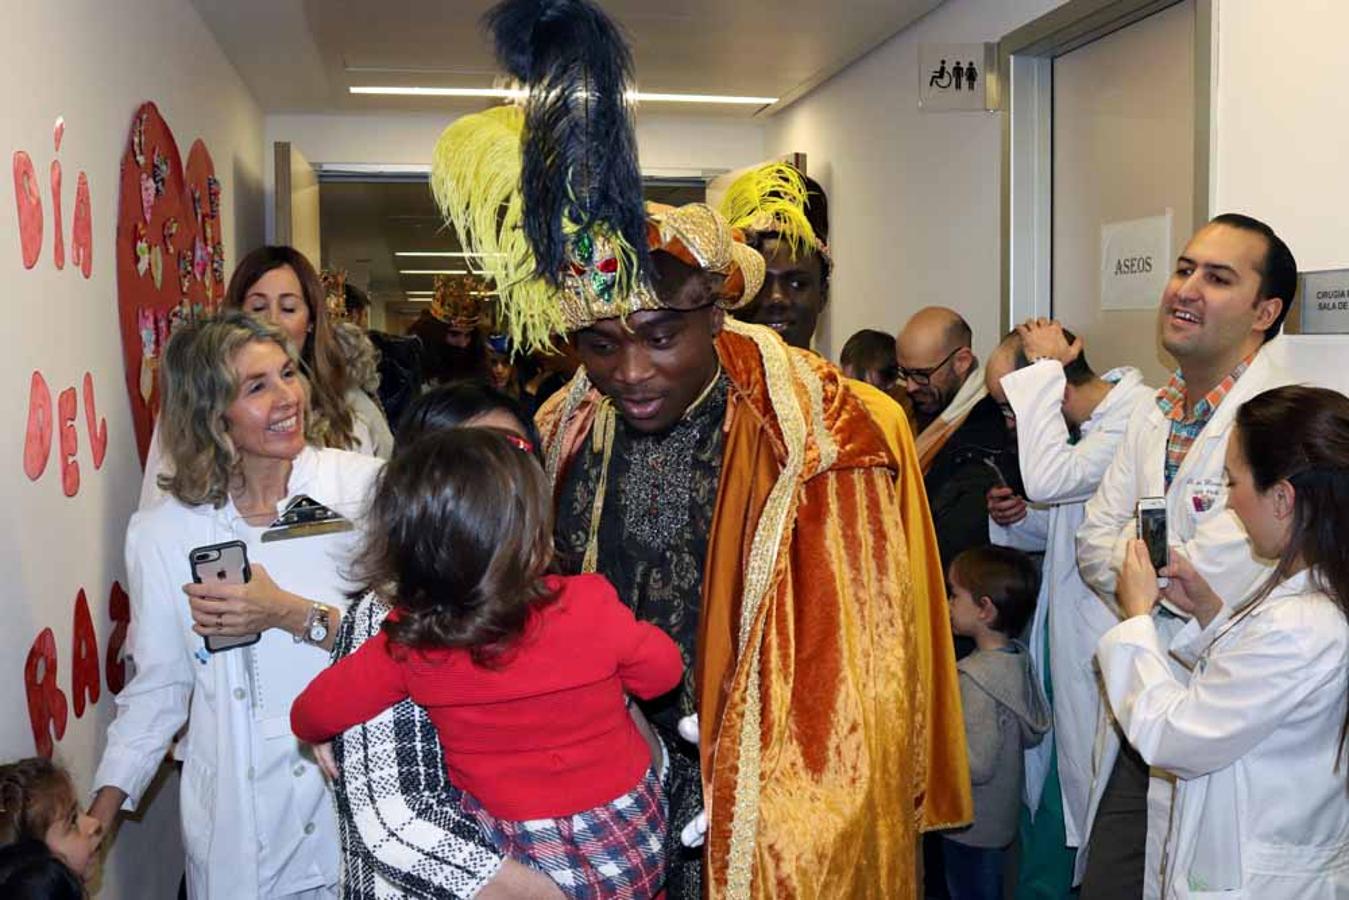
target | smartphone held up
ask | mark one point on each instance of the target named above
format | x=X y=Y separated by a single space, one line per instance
x=225 y=563
x=1152 y=532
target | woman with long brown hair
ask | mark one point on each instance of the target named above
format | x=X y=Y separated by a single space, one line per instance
x=279 y=285
x=1257 y=736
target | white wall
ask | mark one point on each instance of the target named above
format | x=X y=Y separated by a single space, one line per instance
x=914 y=197
x=94 y=62
x=667 y=145
x=1281 y=122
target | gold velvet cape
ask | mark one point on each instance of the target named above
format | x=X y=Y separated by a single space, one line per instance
x=811 y=698
x=946 y=801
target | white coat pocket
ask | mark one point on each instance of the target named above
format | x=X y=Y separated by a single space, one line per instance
x=197 y=800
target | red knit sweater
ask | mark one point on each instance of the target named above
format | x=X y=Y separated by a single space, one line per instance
x=543 y=734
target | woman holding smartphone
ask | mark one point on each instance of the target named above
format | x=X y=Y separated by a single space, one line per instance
x=236 y=426
x=1257 y=736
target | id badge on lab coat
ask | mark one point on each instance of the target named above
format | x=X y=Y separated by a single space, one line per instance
x=1203 y=496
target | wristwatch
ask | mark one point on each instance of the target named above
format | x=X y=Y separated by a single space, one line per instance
x=316 y=626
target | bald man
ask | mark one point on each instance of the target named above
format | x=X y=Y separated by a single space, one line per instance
x=962 y=441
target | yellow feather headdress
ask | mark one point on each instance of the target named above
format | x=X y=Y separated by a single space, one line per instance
x=772 y=197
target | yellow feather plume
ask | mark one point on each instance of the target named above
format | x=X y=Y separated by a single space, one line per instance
x=475 y=178
x=771 y=197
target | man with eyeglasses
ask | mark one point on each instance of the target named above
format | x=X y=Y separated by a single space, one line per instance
x=963 y=445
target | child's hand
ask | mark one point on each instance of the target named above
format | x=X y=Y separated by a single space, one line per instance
x=323 y=755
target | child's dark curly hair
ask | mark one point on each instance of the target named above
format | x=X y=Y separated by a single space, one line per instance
x=460 y=537
x=32 y=794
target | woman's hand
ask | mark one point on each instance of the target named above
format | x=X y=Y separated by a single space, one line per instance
x=1189 y=592
x=1137 y=589
x=1004 y=506
x=327 y=761
x=231 y=610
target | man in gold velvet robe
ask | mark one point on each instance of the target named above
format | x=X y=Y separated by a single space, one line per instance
x=740 y=493
x=785 y=216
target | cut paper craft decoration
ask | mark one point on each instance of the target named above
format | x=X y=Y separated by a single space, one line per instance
x=170 y=264
x=208 y=259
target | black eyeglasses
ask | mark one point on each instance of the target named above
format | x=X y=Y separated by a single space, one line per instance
x=924 y=376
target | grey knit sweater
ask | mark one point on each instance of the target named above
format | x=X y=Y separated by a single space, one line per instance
x=1005 y=712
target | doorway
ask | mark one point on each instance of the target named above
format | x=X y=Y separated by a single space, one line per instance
x=1108 y=123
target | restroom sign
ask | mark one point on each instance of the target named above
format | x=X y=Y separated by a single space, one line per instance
x=1135 y=262
x=954 y=76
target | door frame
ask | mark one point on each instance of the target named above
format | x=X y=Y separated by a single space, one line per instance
x=1026 y=76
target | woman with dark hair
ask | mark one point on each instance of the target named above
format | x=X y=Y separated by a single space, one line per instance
x=464 y=403
x=280 y=286
x=228 y=659
x=1257 y=736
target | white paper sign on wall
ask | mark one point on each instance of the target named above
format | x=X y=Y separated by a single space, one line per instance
x=1135 y=262
x=1325 y=301
x=954 y=76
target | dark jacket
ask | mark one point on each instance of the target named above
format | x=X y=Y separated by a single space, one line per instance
x=959 y=479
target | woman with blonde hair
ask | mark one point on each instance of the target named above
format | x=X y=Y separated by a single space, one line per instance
x=237 y=431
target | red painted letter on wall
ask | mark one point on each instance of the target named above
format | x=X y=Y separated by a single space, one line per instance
x=83 y=657
x=82 y=232
x=97 y=428
x=46 y=703
x=37 y=443
x=119 y=610
x=29 y=201
x=70 y=469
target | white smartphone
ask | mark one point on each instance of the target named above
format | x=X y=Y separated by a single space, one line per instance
x=1152 y=531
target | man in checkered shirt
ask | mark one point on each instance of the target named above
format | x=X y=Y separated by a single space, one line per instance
x=1228 y=294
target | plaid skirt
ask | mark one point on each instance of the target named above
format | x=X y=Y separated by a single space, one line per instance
x=614 y=850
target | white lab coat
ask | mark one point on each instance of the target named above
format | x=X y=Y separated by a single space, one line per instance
x=1261 y=809
x=1199 y=524
x=256 y=814
x=1059 y=478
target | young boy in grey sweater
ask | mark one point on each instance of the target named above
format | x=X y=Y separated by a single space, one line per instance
x=992 y=593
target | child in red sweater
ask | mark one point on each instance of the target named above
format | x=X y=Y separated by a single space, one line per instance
x=524 y=674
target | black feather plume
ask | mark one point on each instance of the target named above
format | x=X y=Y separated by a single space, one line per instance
x=579 y=149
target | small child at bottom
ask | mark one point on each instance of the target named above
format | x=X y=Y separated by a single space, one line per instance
x=522 y=673
x=48 y=846
x=992 y=592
